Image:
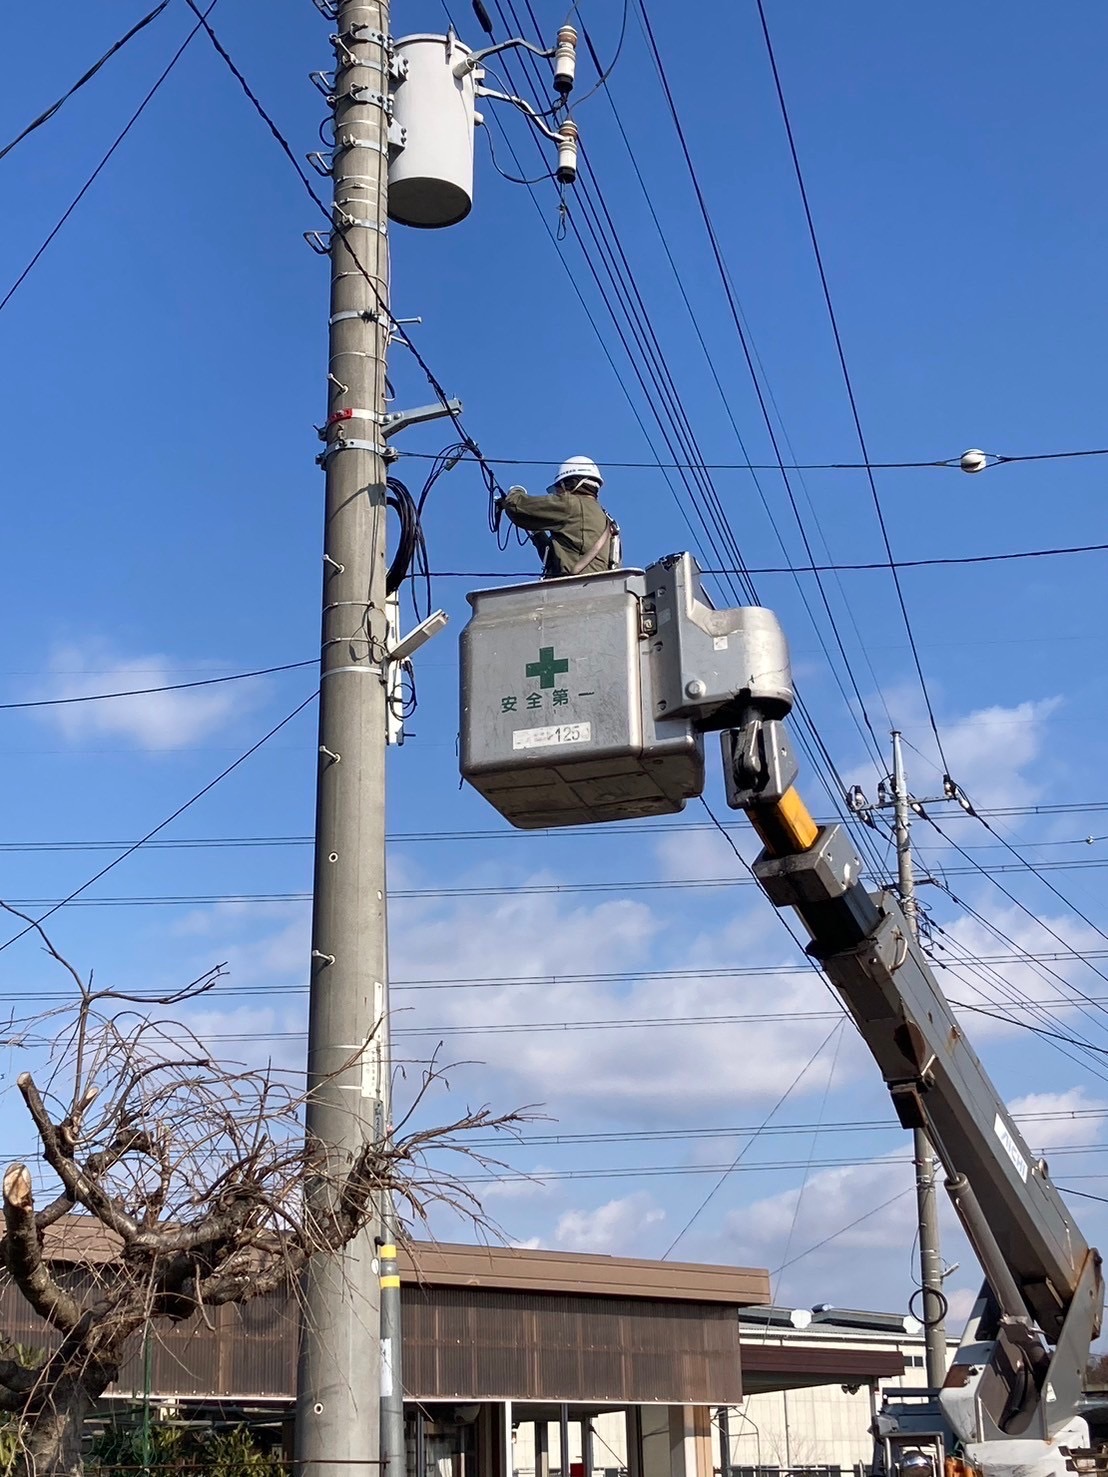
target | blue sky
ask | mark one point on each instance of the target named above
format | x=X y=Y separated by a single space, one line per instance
x=162 y=373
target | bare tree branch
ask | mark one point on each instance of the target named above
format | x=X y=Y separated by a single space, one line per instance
x=201 y=1182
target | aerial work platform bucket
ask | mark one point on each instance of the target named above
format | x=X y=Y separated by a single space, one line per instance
x=585 y=699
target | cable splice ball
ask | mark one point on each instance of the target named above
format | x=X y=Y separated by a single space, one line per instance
x=973 y=461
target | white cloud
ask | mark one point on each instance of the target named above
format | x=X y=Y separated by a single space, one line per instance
x=990 y=750
x=152 y=720
x=687 y=854
x=515 y=1188
x=835 y=1202
x=960 y=1301
x=539 y=941
x=614 y=1227
x=1034 y=975
x=1075 y=1123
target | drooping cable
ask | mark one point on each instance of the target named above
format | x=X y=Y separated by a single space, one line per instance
x=839 y=349
x=740 y=329
x=673 y=421
x=103 y=697
x=130 y=850
x=88 y=184
x=726 y=400
x=398 y=330
x=942 y=562
x=82 y=80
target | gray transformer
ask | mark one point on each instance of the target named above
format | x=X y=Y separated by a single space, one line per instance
x=585 y=699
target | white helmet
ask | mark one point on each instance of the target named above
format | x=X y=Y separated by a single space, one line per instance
x=577 y=466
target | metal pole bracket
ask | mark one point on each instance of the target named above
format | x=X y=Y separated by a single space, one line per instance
x=343 y=445
x=401 y=420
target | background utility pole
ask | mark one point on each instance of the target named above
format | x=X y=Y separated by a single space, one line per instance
x=339 y=1388
x=930 y=1261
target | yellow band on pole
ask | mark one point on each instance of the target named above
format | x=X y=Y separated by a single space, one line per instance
x=390 y=1281
x=388 y=1252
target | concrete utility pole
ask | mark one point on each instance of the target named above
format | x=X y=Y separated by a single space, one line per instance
x=338 y=1409
x=930 y=1260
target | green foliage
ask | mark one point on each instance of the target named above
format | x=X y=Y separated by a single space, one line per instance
x=234 y=1454
x=121 y=1452
x=11 y=1443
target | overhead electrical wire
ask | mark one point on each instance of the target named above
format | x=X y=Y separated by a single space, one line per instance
x=83 y=79
x=839 y=349
x=1044 y=1010
x=407 y=987
x=398 y=330
x=939 y=561
x=75 y=895
x=857 y=1221
x=506 y=833
x=775 y=1288
x=947 y=465
x=673 y=421
x=606 y=236
x=726 y=399
x=780 y=1130
x=745 y=343
x=990 y=873
x=736 y=1164
x=83 y=191
x=103 y=697
x=526 y=889
x=1036 y=869
x=616 y=1023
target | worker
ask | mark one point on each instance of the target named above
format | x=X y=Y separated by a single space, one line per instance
x=572 y=532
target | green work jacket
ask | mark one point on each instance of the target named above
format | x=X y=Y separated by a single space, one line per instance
x=572 y=523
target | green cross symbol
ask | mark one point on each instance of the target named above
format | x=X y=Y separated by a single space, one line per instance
x=546 y=668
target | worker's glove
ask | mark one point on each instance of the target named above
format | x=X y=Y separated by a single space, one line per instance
x=517 y=489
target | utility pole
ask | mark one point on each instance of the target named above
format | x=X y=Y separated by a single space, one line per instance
x=338 y=1409
x=930 y=1260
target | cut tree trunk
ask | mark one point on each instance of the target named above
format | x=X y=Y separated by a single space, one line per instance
x=53 y=1431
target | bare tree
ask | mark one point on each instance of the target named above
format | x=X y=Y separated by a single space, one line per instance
x=199 y=1173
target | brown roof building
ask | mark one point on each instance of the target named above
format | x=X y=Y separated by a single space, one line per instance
x=499 y=1341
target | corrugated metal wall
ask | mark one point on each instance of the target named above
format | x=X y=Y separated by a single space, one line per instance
x=460 y=1344
x=467 y=1343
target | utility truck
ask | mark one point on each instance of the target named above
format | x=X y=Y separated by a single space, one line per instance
x=587 y=699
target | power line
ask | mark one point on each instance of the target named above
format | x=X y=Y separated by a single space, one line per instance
x=736 y=1163
x=1023 y=865
x=876 y=1210
x=744 y=341
x=783 y=1130
x=948 y=464
x=664 y=404
x=80 y=82
x=769 y=971
x=101 y=697
x=508 y=833
x=652 y=1171
x=847 y=381
x=547 y=889
x=398 y=329
x=75 y=895
x=83 y=191
x=882 y=565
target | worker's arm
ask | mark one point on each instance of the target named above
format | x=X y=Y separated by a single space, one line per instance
x=536 y=514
